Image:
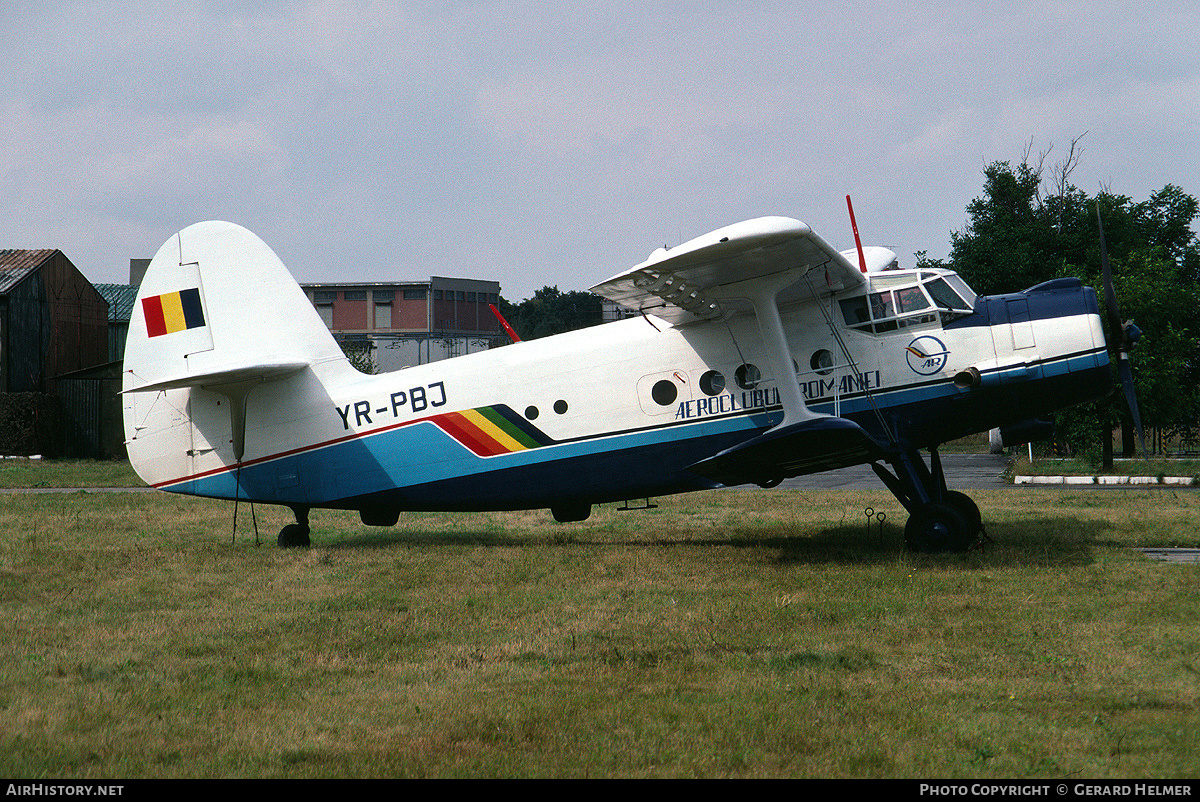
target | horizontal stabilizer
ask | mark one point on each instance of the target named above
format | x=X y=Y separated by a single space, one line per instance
x=223 y=377
x=810 y=446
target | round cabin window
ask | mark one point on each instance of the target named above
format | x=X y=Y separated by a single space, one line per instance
x=822 y=362
x=747 y=376
x=664 y=392
x=712 y=382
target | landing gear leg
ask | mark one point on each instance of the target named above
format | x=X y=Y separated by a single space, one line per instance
x=938 y=519
x=295 y=535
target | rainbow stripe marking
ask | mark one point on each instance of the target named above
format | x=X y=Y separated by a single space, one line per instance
x=491 y=431
x=172 y=312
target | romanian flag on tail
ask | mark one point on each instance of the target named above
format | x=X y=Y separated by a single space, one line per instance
x=173 y=311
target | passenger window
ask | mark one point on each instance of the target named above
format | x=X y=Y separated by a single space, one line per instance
x=664 y=392
x=747 y=376
x=822 y=362
x=712 y=382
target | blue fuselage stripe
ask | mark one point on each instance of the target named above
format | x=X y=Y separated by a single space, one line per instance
x=421 y=466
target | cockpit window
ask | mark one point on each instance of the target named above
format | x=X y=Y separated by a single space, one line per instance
x=945 y=297
x=961 y=288
x=911 y=299
x=854 y=310
x=907 y=301
x=881 y=305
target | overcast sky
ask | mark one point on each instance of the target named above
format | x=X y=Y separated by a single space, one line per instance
x=559 y=143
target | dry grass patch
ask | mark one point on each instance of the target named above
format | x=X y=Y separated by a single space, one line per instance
x=733 y=633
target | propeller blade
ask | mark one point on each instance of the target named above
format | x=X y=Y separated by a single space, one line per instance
x=1124 y=337
x=1131 y=399
x=1110 y=295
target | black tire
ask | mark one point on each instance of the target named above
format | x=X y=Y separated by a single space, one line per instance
x=967 y=509
x=938 y=527
x=293 y=536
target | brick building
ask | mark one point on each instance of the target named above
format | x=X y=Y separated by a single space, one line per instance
x=412 y=322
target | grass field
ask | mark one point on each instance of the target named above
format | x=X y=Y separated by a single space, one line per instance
x=726 y=634
x=20 y=472
x=1045 y=466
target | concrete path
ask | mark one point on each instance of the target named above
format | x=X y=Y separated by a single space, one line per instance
x=963 y=471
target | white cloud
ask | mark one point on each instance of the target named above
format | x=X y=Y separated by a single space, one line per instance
x=556 y=144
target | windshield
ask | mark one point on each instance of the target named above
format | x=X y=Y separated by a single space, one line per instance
x=949 y=291
x=912 y=300
x=944 y=297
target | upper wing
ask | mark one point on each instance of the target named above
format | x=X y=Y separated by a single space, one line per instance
x=699 y=279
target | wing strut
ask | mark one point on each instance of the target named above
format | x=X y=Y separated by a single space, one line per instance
x=766 y=310
x=850 y=360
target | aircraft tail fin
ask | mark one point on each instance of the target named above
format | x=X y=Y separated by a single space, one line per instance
x=217 y=312
x=217 y=307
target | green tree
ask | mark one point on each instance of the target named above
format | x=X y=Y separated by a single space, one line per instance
x=551 y=311
x=360 y=355
x=1021 y=232
x=1005 y=245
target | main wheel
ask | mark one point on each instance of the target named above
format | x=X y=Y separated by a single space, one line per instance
x=293 y=536
x=938 y=527
x=967 y=508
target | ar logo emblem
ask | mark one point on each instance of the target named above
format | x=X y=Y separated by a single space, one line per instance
x=926 y=355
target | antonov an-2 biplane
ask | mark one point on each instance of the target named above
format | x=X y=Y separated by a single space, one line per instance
x=760 y=353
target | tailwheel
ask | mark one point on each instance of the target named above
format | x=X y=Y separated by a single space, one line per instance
x=939 y=527
x=295 y=535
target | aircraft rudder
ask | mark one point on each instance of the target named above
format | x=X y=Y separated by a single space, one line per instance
x=215 y=308
x=214 y=295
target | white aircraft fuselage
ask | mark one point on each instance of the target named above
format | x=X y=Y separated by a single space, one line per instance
x=903 y=360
